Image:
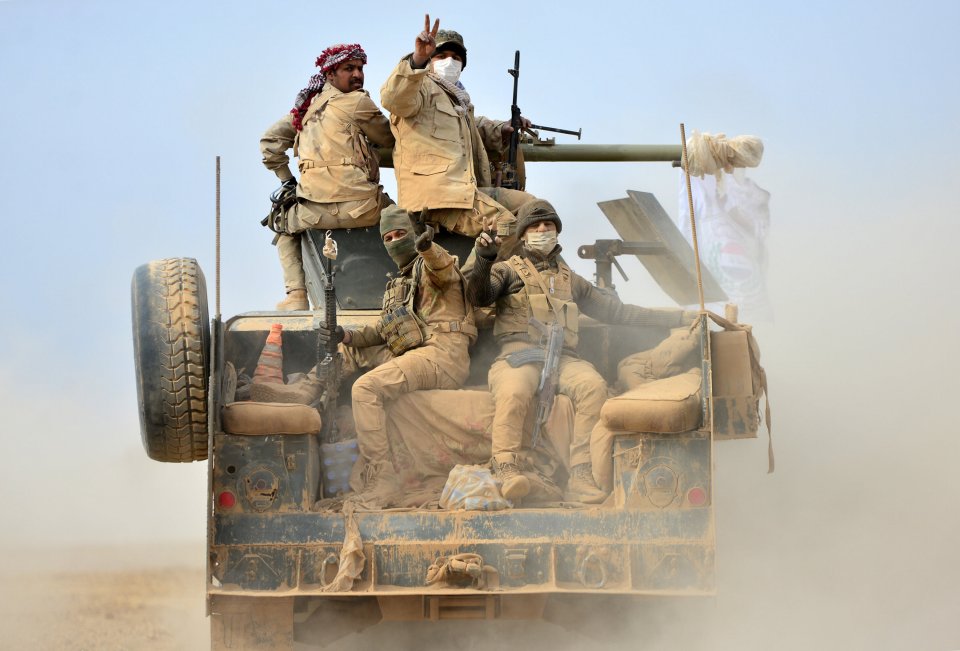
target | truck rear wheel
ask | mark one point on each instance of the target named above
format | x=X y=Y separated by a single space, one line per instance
x=171 y=338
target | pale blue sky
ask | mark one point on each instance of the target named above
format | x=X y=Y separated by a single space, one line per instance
x=112 y=114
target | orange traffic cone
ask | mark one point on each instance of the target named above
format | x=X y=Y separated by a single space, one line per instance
x=270 y=364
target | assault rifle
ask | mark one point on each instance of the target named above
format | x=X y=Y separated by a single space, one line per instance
x=548 y=355
x=330 y=360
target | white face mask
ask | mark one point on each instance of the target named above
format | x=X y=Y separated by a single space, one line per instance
x=447 y=69
x=541 y=242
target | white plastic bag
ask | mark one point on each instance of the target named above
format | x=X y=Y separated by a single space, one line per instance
x=472 y=488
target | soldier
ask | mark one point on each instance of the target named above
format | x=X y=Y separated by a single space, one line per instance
x=440 y=159
x=331 y=128
x=421 y=341
x=536 y=283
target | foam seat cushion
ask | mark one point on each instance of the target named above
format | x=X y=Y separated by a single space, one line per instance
x=666 y=406
x=261 y=418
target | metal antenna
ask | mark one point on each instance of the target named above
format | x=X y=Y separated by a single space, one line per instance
x=693 y=222
x=218 y=240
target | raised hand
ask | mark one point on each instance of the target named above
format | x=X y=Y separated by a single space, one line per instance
x=487 y=245
x=425 y=239
x=426 y=42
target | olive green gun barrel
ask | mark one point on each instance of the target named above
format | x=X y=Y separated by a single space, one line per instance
x=600 y=153
x=584 y=154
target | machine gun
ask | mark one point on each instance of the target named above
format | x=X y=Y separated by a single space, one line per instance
x=330 y=361
x=549 y=356
x=507 y=176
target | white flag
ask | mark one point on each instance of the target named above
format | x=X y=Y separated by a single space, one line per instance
x=733 y=217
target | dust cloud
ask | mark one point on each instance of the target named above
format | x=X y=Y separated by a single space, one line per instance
x=850 y=544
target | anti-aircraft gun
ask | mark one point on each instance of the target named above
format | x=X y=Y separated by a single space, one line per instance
x=279 y=570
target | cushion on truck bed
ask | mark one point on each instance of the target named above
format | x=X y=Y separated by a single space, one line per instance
x=261 y=418
x=664 y=406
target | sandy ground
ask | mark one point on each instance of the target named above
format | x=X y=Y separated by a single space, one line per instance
x=103 y=598
x=133 y=598
x=151 y=598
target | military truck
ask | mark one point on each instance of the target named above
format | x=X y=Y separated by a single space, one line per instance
x=275 y=562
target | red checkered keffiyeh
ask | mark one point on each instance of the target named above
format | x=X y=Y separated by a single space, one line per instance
x=327 y=61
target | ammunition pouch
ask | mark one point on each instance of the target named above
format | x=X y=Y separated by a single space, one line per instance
x=402 y=329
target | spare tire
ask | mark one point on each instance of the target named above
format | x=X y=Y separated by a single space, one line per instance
x=171 y=341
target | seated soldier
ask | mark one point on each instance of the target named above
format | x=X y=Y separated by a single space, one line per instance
x=536 y=283
x=440 y=159
x=331 y=128
x=421 y=341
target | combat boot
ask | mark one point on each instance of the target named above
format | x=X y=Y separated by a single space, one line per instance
x=582 y=487
x=304 y=392
x=296 y=300
x=506 y=468
x=381 y=486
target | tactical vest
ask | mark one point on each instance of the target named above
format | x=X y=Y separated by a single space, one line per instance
x=546 y=296
x=400 y=325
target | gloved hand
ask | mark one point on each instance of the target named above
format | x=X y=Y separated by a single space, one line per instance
x=327 y=336
x=425 y=239
x=487 y=245
x=420 y=224
x=290 y=184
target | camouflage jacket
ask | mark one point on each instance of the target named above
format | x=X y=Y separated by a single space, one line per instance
x=493 y=282
x=439 y=303
x=336 y=160
x=440 y=158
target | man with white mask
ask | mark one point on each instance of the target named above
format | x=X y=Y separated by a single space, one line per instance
x=536 y=283
x=440 y=158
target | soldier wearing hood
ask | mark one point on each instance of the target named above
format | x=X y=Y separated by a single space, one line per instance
x=440 y=158
x=420 y=341
x=536 y=283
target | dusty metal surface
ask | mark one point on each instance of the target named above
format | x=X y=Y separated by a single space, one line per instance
x=640 y=218
x=656 y=537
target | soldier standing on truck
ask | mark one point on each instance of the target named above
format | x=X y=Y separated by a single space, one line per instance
x=331 y=128
x=440 y=158
x=535 y=283
x=420 y=341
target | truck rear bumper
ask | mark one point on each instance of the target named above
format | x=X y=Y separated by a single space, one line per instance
x=613 y=551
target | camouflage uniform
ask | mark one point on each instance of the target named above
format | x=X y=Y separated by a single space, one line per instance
x=531 y=284
x=440 y=159
x=339 y=170
x=441 y=362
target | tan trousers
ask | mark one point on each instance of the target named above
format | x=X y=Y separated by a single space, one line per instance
x=491 y=207
x=393 y=377
x=305 y=215
x=601 y=452
x=514 y=392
